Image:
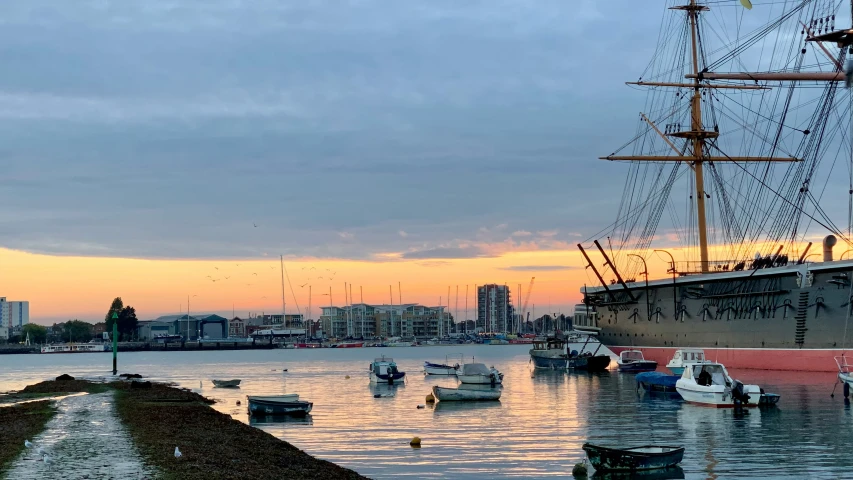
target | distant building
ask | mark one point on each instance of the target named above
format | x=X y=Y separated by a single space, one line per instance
x=14 y=313
x=365 y=321
x=4 y=333
x=291 y=320
x=237 y=328
x=495 y=312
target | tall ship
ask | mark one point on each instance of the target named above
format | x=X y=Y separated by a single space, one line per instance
x=738 y=193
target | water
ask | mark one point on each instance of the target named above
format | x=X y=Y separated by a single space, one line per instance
x=535 y=431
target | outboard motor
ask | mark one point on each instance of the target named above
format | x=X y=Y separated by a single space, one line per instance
x=738 y=395
x=493 y=380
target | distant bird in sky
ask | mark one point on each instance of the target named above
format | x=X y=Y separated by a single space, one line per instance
x=303 y=285
x=178 y=453
x=254 y=274
x=328 y=270
x=313 y=268
x=303 y=268
x=216 y=268
x=213 y=280
x=226 y=278
x=319 y=278
x=334 y=273
x=255 y=224
x=264 y=296
x=272 y=268
x=238 y=264
x=249 y=284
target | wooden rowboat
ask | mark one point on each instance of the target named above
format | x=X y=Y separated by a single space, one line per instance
x=279 y=405
x=647 y=457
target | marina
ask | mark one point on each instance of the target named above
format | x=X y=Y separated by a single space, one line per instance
x=472 y=439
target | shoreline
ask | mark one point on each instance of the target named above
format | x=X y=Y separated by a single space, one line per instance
x=159 y=417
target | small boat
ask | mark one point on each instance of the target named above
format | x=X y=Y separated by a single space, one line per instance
x=632 y=361
x=442 y=368
x=685 y=356
x=384 y=370
x=349 y=345
x=845 y=376
x=768 y=399
x=549 y=353
x=589 y=361
x=647 y=457
x=656 y=382
x=226 y=383
x=479 y=374
x=279 y=405
x=710 y=384
x=309 y=345
x=465 y=394
x=74 y=348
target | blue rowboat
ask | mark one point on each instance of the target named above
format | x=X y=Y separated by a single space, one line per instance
x=656 y=382
x=279 y=405
x=647 y=457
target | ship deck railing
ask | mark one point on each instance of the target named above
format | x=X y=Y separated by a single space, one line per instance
x=844 y=364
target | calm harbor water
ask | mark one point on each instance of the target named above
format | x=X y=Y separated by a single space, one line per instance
x=535 y=431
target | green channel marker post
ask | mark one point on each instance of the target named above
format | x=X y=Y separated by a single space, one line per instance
x=115 y=342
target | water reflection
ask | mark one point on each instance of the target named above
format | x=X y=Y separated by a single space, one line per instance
x=665 y=474
x=536 y=429
x=255 y=420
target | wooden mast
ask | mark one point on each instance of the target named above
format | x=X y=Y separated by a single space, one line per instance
x=697 y=136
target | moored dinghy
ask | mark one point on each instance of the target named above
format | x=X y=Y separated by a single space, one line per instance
x=226 y=383
x=279 y=405
x=466 y=393
x=479 y=374
x=445 y=368
x=647 y=457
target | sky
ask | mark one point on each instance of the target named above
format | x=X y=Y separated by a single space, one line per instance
x=147 y=148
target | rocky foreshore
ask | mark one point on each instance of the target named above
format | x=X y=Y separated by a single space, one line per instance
x=159 y=418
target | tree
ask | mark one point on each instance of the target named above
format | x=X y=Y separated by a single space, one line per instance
x=127 y=322
x=116 y=307
x=38 y=334
x=76 y=331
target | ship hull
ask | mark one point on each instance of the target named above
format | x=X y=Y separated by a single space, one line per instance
x=806 y=360
x=792 y=317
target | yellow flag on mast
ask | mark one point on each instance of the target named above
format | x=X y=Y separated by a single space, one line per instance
x=746 y=4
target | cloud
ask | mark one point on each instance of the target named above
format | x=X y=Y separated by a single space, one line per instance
x=402 y=233
x=538 y=268
x=346 y=235
x=434 y=263
x=446 y=252
x=521 y=233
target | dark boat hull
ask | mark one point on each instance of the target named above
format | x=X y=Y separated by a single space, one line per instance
x=631 y=460
x=296 y=409
x=656 y=382
x=636 y=367
x=595 y=363
x=550 y=363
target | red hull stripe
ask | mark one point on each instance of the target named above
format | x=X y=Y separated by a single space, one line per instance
x=806 y=360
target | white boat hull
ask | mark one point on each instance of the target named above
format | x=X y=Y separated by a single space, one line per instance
x=439 y=371
x=717 y=396
x=465 y=395
x=479 y=379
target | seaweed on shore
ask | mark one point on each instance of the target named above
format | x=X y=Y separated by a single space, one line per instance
x=214 y=446
x=19 y=423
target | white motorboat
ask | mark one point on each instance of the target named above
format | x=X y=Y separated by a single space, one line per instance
x=74 y=348
x=710 y=384
x=479 y=374
x=845 y=376
x=226 y=383
x=384 y=370
x=446 y=368
x=683 y=357
x=465 y=393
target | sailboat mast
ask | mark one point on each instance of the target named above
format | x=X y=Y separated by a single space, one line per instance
x=283 y=309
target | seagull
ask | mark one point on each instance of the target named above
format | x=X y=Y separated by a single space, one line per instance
x=238 y=264
x=216 y=268
x=313 y=268
x=47 y=461
x=28 y=444
x=226 y=278
x=214 y=281
x=303 y=285
x=328 y=270
x=303 y=268
x=255 y=224
x=249 y=284
x=254 y=274
x=209 y=277
x=40 y=450
x=178 y=453
x=272 y=268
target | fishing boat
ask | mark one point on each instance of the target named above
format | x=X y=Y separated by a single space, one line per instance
x=589 y=361
x=759 y=182
x=647 y=457
x=710 y=384
x=465 y=394
x=684 y=356
x=656 y=382
x=632 y=361
x=445 y=368
x=384 y=370
x=74 y=348
x=279 y=405
x=226 y=383
x=549 y=353
x=479 y=374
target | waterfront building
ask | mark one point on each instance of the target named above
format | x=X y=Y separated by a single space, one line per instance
x=495 y=312
x=4 y=333
x=14 y=313
x=279 y=320
x=366 y=321
x=208 y=326
x=237 y=328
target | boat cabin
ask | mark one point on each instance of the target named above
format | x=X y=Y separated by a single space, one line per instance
x=384 y=366
x=688 y=355
x=707 y=374
x=631 y=356
x=550 y=343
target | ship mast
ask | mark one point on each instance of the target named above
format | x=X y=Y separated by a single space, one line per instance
x=697 y=135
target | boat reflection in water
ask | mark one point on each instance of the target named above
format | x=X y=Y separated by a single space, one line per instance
x=450 y=408
x=255 y=420
x=665 y=474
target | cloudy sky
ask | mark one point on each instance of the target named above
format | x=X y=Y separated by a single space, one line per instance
x=366 y=133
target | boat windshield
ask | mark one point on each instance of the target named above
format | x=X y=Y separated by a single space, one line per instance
x=632 y=355
x=708 y=375
x=475 y=369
